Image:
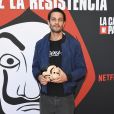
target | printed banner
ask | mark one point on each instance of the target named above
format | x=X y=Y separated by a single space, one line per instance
x=24 y=22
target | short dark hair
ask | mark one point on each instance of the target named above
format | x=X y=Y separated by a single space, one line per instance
x=57 y=10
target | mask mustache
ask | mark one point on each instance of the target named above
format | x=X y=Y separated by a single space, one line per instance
x=10 y=100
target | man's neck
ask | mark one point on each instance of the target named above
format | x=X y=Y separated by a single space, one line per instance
x=56 y=36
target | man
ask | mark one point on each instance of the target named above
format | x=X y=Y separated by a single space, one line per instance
x=57 y=65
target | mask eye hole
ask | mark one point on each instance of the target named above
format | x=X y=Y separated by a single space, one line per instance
x=9 y=61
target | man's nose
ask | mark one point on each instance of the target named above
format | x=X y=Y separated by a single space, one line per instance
x=56 y=21
x=29 y=88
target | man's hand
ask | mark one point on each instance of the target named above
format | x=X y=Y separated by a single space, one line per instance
x=43 y=80
x=62 y=78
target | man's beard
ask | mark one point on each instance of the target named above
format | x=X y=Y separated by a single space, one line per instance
x=56 y=31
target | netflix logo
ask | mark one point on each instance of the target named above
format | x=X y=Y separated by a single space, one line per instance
x=105 y=77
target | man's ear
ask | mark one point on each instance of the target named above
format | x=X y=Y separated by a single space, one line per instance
x=48 y=22
x=64 y=24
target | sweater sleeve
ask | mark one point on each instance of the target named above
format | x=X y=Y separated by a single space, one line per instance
x=35 y=65
x=79 y=67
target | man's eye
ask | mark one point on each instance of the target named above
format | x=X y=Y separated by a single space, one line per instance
x=53 y=19
x=9 y=61
x=60 y=20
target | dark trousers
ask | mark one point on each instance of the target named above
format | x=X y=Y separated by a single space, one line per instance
x=56 y=105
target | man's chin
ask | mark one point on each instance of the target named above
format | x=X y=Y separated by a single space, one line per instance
x=56 y=31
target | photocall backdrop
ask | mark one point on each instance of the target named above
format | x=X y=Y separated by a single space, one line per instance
x=24 y=22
